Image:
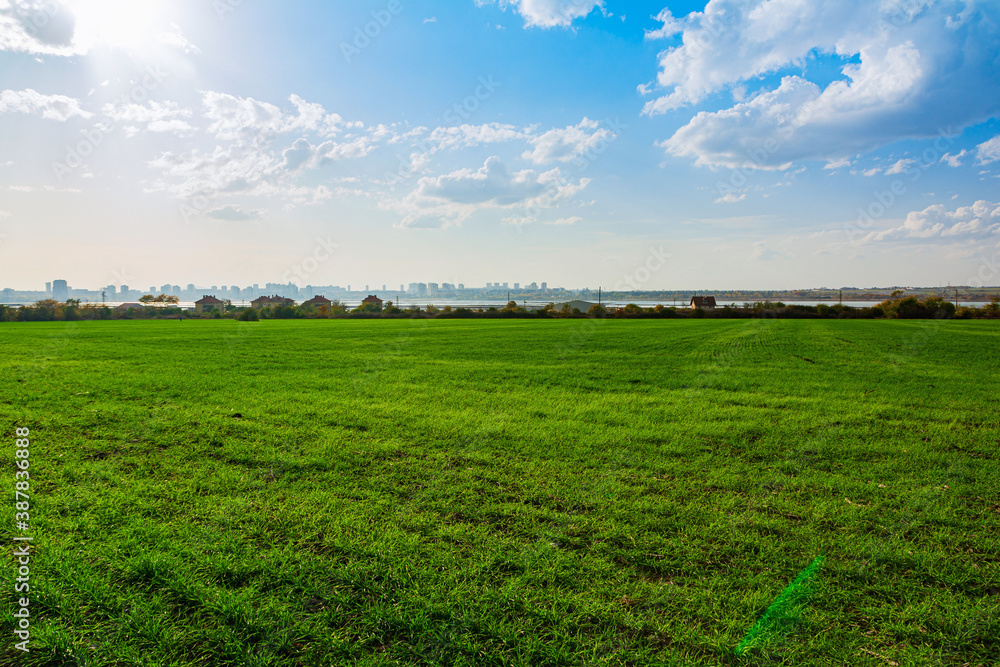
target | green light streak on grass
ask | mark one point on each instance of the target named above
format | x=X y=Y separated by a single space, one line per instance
x=784 y=610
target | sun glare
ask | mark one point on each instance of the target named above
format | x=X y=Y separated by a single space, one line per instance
x=133 y=26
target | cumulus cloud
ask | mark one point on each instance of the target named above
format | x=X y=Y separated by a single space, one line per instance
x=235 y=213
x=937 y=222
x=463 y=136
x=548 y=13
x=910 y=70
x=254 y=156
x=670 y=26
x=304 y=154
x=246 y=119
x=452 y=198
x=224 y=170
x=51 y=107
x=988 y=151
x=563 y=145
x=37 y=26
x=156 y=117
x=954 y=160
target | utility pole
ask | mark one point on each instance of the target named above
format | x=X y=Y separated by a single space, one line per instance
x=103 y=296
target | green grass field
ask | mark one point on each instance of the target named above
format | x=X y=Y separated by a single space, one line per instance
x=495 y=492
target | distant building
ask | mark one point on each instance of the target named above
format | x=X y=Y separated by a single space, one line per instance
x=703 y=302
x=207 y=304
x=271 y=302
x=317 y=302
x=60 y=290
x=373 y=299
x=127 y=306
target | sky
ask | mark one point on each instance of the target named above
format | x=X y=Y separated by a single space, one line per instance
x=745 y=144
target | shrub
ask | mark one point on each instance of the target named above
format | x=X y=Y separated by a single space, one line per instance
x=249 y=315
x=597 y=311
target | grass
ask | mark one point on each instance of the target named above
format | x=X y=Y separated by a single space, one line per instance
x=505 y=492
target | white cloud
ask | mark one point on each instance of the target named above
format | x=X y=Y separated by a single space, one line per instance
x=899 y=168
x=76 y=27
x=988 y=151
x=257 y=160
x=566 y=221
x=246 y=119
x=670 y=27
x=463 y=136
x=51 y=107
x=954 y=160
x=907 y=73
x=837 y=164
x=563 y=145
x=937 y=222
x=157 y=117
x=451 y=198
x=224 y=170
x=37 y=26
x=175 y=38
x=304 y=154
x=235 y=213
x=731 y=198
x=548 y=13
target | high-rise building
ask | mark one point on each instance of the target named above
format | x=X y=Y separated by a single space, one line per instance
x=545 y=286
x=48 y=288
x=517 y=285
x=60 y=290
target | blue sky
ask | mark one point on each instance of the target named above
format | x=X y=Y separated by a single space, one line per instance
x=751 y=143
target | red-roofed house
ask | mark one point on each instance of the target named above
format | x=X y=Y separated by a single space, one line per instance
x=373 y=299
x=318 y=302
x=271 y=301
x=703 y=302
x=207 y=304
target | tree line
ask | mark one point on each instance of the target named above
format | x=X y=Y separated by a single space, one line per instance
x=896 y=307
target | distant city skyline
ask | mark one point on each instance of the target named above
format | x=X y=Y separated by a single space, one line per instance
x=665 y=143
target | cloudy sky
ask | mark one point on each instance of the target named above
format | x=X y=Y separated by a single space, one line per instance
x=738 y=143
